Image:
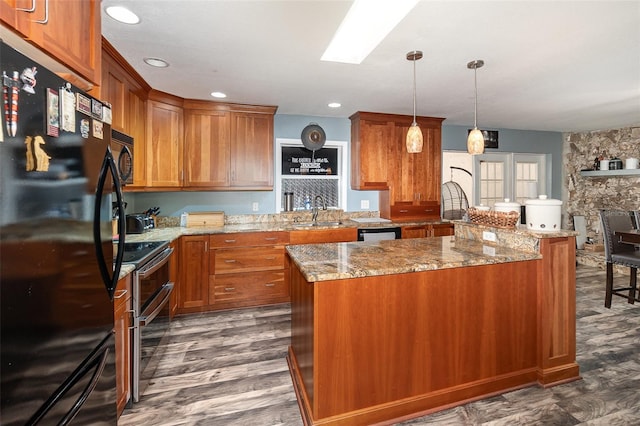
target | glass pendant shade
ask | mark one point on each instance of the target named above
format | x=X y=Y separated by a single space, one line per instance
x=475 y=142
x=414 y=135
x=414 y=139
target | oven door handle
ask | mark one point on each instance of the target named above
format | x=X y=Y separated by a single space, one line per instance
x=155 y=306
x=154 y=264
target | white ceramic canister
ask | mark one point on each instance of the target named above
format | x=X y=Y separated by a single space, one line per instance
x=543 y=214
x=604 y=164
x=631 y=163
x=507 y=206
x=482 y=207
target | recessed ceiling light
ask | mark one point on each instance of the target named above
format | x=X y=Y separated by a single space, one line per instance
x=122 y=14
x=334 y=105
x=219 y=95
x=366 y=24
x=156 y=62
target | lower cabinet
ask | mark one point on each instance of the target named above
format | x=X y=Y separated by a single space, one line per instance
x=247 y=269
x=174 y=277
x=122 y=328
x=338 y=235
x=428 y=230
x=193 y=291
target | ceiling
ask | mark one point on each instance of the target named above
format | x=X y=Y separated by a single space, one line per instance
x=549 y=65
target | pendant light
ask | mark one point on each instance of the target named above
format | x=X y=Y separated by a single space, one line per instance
x=475 y=141
x=414 y=135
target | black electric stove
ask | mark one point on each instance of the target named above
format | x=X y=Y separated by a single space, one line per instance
x=139 y=253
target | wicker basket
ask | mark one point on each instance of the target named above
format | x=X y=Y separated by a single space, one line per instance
x=491 y=218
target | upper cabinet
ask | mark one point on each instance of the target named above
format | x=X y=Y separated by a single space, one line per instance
x=127 y=93
x=164 y=142
x=69 y=31
x=409 y=183
x=228 y=146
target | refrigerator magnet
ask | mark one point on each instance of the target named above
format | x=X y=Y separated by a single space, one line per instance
x=106 y=113
x=84 y=128
x=67 y=109
x=53 y=113
x=96 y=109
x=83 y=104
x=97 y=129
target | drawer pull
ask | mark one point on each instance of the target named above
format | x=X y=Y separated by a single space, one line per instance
x=229 y=241
x=270 y=238
x=270 y=258
x=428 y=210
x=229 y=289
x=404 y=211
x=270 y=285
x=230 y=261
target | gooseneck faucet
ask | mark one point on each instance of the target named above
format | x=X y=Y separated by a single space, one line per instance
x=314 y=215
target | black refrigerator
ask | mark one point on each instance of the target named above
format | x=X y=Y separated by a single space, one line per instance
x=58 y=271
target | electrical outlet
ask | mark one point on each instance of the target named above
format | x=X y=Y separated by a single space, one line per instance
x=255 y=206
x=489 y=236
x=364 y=204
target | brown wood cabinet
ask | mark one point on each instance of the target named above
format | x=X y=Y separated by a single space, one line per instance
x=164 y=141
x=248 y=269
x=68 y=31
x=193 y=291
x=126 y=91
x=409 y=183
x=228 y=146
x=174 y=277
x=122 y=328
x=427 y=230
x=318 y=236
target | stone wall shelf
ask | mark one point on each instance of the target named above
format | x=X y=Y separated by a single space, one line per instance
x=610 y=173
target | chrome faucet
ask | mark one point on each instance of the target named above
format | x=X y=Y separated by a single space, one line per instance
x=314 y=215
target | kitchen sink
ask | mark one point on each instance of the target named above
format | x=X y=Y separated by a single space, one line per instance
x=315 y=224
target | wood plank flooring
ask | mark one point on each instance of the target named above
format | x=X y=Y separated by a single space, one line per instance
x=229 y=368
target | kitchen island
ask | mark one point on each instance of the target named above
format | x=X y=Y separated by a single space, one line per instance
x=390 y=330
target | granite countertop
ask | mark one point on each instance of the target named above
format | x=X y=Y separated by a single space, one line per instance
x=323 y=262
x=172 y=233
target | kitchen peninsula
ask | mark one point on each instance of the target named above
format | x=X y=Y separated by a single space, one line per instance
x=390 y=330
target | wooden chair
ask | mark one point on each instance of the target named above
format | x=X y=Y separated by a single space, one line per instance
x=617 y=253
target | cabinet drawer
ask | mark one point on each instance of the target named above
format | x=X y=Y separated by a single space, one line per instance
x=227 y=261
x=409 y=211
x=248 y=286
x=241 y=239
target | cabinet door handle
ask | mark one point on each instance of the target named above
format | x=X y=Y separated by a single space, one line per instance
x=270 y=258
x=229 y=289
x=30 y=10
x=270 y=285
x=229 y=241
x=206 y=246
x=230 y=261
x=404 y=211
x=46 y=14
x=119 y=294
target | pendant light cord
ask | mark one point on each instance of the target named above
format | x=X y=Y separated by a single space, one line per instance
x=414 y=91
x=475 y=106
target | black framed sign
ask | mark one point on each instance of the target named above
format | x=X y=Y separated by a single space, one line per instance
x=300 y=161
x=490 y=138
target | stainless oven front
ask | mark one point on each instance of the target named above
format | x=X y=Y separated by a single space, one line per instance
x=152 y=289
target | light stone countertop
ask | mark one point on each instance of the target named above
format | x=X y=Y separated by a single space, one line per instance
x=324 y=262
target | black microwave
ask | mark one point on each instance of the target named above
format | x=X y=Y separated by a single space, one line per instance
x=122 y=150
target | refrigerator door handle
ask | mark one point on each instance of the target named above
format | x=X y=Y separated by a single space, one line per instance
x=110 y=281
x=96 y=361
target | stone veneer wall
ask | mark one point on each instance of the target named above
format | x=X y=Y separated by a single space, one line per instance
x=586 y=195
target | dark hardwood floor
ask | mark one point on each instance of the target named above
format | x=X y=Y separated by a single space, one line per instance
x=229 y=368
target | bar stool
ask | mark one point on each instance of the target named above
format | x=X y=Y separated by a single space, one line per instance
x=617 y=253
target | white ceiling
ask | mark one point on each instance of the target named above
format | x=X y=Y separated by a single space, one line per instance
x=549 y=65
